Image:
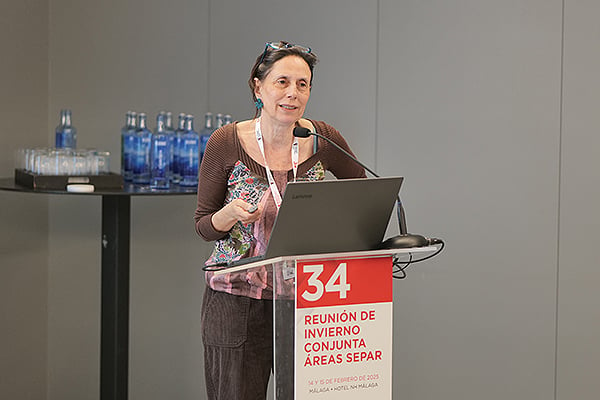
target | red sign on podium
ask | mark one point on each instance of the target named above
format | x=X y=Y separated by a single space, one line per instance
x=344 y=329
x=337 y=282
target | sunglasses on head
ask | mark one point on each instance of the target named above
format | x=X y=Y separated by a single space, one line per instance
x=280 y=46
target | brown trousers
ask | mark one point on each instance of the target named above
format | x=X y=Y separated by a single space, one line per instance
x=237 y=333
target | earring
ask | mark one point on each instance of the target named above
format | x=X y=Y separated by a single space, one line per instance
x=259 y=104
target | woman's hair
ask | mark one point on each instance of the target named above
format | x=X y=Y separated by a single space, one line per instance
x=265 y=61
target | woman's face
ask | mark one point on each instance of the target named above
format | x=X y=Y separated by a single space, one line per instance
x=285 y=90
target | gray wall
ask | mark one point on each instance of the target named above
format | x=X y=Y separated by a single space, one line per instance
x=478 y=138
x=578 y=352
x=23 y=219
x=486 y=107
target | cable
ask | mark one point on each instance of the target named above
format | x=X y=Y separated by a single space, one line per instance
x=399 y=267
x=214 y=267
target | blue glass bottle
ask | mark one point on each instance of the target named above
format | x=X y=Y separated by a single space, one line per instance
x=66 y=134
x=189 y=154
x=176 y=173
x=219 y=120
x=58 y=138
x=171 y=134
x=127 y=145
x=205 y=133
x=141 y=154
x=160 y=155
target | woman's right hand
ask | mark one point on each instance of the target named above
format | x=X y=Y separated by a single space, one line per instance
x=237 y=210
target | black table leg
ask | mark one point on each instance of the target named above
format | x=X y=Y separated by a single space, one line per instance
x=114 y=336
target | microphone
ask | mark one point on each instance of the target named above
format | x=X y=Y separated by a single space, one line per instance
x=404 y=240
x=305 y=132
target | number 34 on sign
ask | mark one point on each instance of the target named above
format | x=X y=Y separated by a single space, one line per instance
x=338 y=282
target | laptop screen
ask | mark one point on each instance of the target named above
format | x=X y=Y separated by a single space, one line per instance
x=333 y=216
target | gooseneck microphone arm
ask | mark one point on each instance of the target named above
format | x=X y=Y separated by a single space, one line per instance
x=401 y=217
x=305 y=132
x=405 y=239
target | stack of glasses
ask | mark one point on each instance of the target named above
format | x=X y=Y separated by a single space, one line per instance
x=63 y=161
x=65 y=158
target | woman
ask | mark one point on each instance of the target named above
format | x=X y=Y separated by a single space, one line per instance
x=243 y=175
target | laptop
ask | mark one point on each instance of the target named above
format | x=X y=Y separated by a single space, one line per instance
x=330 y=216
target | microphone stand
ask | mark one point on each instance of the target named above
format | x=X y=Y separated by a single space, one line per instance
x=405 y=239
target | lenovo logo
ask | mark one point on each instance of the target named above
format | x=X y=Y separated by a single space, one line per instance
x=302 y=196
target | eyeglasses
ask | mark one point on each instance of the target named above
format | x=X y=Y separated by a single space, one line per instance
x=281 y=46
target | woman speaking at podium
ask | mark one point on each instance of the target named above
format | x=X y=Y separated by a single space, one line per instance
x=243 y=175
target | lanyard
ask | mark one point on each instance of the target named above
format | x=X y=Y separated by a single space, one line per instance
x=272 y=184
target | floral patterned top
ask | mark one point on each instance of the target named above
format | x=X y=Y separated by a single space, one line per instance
x=227 y=173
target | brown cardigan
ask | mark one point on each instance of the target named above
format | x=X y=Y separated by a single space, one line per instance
x=224 y=149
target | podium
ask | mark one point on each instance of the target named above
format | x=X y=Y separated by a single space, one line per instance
x=333 y=323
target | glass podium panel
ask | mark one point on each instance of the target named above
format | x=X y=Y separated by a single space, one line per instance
x=332 y=323
x=284 y=324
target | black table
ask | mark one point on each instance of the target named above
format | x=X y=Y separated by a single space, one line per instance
x=114 y=321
